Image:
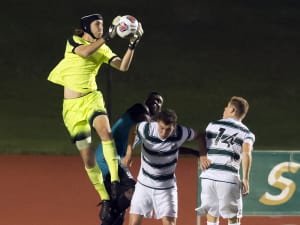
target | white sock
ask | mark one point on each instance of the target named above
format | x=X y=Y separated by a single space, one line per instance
x=234 y=223
x=210 y=223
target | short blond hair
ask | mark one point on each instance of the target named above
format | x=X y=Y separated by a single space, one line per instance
x=241 y=105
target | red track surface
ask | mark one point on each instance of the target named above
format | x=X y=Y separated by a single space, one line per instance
x=54 y=190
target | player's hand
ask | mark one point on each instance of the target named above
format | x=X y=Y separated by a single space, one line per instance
x=204 y=162
x=135 y=39
x=140 y=31
x=112 y=30
x=245 y=187
x=126 y=161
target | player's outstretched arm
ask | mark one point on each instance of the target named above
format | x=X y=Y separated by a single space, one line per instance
x=127 y=159
x=204 y=161
x=188 y=151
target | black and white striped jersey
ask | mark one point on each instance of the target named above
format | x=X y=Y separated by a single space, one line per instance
x=159 y=156
x=224 y=140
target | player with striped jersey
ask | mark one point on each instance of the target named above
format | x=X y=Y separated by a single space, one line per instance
x=229 y=144
x=156 y=188
x=137 y=113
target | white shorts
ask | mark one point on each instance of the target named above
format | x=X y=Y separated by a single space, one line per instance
x=145 y=200
x=220 y=199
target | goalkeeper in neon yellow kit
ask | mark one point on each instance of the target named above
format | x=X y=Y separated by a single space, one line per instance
x=83 y=104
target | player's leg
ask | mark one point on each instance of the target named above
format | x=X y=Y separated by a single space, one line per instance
x=141 y=204
x=93 y=172
x=96 y=179
x=116 y=220
x=166 y=205
x=120 y=219
x=99 y=120
x=118 y=206
x=212 y=220
x=102 y=127
x=209 y=202
x=168 y=220
x=230 y=202
x=80 y=131
x=135 y=219
x=125 y=191
x=234 y=221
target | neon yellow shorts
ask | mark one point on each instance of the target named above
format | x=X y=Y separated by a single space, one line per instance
x=79 y=113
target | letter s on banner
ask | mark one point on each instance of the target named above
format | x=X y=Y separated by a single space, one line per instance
x=286 y=185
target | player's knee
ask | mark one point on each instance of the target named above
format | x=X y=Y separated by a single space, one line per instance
x=129 y=193
x=84 y=143
x=86 y=152
x=123 y=202
x=102 y=127
x=125 y=199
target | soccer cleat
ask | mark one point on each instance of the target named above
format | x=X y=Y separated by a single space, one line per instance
x=105 y=211
x=114 y=190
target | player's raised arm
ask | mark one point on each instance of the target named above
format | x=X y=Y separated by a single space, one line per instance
x=96 y=36
x=123 y=64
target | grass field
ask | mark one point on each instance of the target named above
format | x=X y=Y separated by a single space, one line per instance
x=197 y=60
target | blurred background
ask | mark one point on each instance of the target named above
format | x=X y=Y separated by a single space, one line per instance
x=196 y=53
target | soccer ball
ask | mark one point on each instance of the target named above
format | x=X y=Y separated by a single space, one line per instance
x=127 y=26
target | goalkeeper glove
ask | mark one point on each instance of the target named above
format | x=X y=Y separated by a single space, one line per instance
x=135 y=39
x=112 y=30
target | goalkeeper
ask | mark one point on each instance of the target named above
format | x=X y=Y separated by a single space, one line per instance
x=120 y=130
x=83 y=104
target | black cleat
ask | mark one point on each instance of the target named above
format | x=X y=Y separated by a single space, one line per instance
x=105 y=211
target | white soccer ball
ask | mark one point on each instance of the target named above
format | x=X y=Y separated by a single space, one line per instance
x=127 y=26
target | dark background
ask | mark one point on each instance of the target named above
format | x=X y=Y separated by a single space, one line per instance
x=196 y=53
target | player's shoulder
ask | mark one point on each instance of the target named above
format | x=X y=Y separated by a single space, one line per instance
x=143 y=124
x=137 y=111
x=76 y=40
x=249 y=133
x=186 y=131
x=180 y=127
x=246 y=129
x=138 y=107
x=143 y=128
x=230 y=123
